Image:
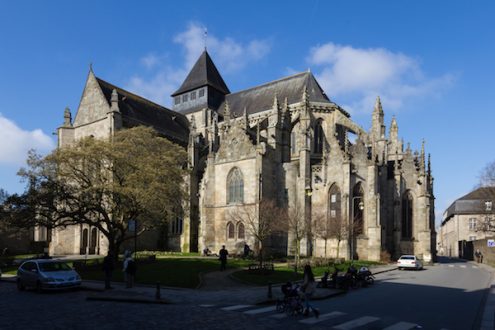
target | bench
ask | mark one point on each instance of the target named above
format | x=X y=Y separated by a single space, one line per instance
x=267 y=266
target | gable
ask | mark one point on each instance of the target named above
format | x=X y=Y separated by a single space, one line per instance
x=93 y=105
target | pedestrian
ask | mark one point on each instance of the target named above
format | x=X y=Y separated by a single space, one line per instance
x=477 y=254
x=481 y=257
x=108 y=269
x=247 y=249
x=129 y=270
x=308 y=289
x=223 y=257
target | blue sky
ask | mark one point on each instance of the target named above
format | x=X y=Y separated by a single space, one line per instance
x=430 y=61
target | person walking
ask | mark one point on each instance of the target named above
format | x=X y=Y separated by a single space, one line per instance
x=223 y=257
x=129 y=270
x=108 y=269
x=309 y=288
x=247 y=250
x=477 y=254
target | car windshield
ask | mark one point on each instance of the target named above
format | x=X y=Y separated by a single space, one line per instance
x=407 y=258
x=53 y=266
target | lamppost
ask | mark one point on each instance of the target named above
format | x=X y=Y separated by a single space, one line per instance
x=352 y=225
x=308 y=192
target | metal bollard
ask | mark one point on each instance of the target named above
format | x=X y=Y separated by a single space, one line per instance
x=157 y=296
x=270 y=290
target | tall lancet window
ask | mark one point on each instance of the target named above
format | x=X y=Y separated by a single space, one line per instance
x=407 y=215
x=235 y=187
x=318 y=138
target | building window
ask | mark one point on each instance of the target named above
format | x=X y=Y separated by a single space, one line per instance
x=318 y=138
x=201 y=92
x=407 y=215
x=230 y=231
x=235 y=187
x=240 y=231
x=177 y=100
x=185 y=97
x=472 y=224
x=488 y=205
x=334 y=202
x=193 y=95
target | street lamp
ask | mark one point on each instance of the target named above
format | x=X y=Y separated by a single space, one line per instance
x=352 y=225
x=307 y=214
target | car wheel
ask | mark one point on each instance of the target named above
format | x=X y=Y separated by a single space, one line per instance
x=20 y=286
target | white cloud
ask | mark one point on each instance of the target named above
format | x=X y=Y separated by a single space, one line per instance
x=16 y=142
x=356 y=76
x=230 y=56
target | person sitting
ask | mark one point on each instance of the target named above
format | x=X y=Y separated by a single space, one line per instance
x=206 y=252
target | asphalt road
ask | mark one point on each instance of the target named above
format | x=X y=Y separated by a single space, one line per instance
x=448 y=295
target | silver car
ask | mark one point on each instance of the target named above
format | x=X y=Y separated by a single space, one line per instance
x=46 y=274
x=410 y=262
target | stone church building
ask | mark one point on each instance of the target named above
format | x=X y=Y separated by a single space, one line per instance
x=285 y=141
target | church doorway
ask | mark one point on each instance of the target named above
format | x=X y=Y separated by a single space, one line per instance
x=89 y=241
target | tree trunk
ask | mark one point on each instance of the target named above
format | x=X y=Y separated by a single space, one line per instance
x=298 y=254
x=338 y=248
x=326 y=240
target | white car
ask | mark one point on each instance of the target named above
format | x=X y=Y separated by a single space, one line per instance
x=47 y=274
x=409 y=261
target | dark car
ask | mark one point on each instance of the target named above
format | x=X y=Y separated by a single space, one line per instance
x=47 y=274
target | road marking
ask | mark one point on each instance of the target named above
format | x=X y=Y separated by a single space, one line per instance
x=279 y=316
x=463 y=266
x=475 y=267
x=323 y=317
x=356 y=323
x=260 y=310
x=402 y=326
x=206 y=305
x=235 y=307
x=451 y=266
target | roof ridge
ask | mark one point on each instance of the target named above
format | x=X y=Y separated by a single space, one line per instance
x=135 y=95
x=271 y=82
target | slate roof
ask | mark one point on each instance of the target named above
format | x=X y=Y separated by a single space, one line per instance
x=140 y=111
x=203 y=73
x=472 y=203
x=261 y=97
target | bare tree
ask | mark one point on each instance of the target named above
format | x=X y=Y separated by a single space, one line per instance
x=487 y=176
x=327 y=227
x=297 y=224
x=260 y=220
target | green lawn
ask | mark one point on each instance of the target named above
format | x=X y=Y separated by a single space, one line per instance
x=175 y=271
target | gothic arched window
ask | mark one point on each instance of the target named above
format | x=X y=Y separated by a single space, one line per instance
x=235 y=187
x=230 y=230
x=318 y=137
x=334 y=203
x=240 y=231
x=357 y=204
x=407 y=215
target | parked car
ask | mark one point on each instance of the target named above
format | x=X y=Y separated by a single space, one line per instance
x=410 y=262
x=47 y=274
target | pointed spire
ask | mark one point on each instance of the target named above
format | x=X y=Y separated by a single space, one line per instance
x=114 y=101
x=91 y=67
x=306 y=95
x=285 y=107
x=422 y=157
x=246 y=119
x=276 y=107
x=429 y=164
x=378 y=106
x=67 y=117
x=394 y=131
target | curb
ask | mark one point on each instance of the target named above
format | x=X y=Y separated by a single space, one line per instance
x=129 y=300
x=335 y=294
